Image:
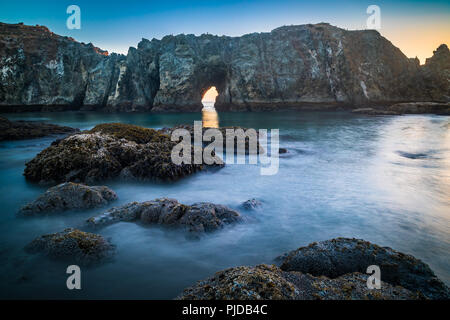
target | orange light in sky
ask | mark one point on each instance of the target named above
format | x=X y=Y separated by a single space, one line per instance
x=210 y=95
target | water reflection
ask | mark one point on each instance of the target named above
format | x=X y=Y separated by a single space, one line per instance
x=210 y=118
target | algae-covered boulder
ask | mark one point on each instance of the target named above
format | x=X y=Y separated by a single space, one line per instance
x=74 y=246
x=68 y=196
x=265 y=282
x=109 y=151
x=196 y=218
x=336 y=257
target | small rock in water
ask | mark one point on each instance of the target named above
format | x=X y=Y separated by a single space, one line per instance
x=73 y=245
x=67 y=196
x=282 y=150
x=196 y=218
x=251 y=204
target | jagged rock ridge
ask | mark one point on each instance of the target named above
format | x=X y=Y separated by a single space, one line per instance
x=307 y=66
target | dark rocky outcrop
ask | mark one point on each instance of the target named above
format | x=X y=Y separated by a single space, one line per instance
x=19 y=130
x=265 y=282
x=251 y=204
x=196 y=218
x=68 y=196
x=74 y=246
x=330 y=270
x=109 y=151
x=336 y=257
x=310 y=66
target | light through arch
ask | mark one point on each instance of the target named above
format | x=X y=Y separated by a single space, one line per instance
x=209 y=98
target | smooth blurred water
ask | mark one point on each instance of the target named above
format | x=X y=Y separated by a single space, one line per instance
x=383 y=179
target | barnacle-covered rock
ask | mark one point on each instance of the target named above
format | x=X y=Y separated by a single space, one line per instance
x=265 y=282
x=197 y=218
x=109 y=151
x=336 y=257
x=67 y=196
x=73 y=245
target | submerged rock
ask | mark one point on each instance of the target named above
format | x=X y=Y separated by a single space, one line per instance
x=251 y=204
x=265 y=282
x=197 y=218
x=336 y=257
x=73 y=245
x=108 y=151
x=375 y=112
x=69 y=195
x=442 y=108
x=19 y=130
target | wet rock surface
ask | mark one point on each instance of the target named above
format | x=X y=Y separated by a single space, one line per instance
x=336 y=257
x=329 y=270
x=109 y=151
x=251 y=204
x=196 y=218
x=74 y=246
x=68 y=196
x=265 y=282
x=20 y=130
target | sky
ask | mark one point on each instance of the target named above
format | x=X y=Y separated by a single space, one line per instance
x=416 y=27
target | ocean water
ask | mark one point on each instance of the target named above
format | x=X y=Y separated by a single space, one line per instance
x=382 y=179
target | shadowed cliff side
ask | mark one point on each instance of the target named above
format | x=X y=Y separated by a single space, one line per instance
x=304 y=67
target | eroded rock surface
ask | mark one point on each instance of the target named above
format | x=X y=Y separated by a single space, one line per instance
x=265 y=282
x=109 y=151
x=19 y=130
x=73 y=245
x=196 y=218
x=68 y=196
x=336 y=257
x=313 y=66
x=329 y=270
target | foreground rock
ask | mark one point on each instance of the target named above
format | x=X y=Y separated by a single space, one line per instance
x=68 y=196
x=20 y=130
x=196 y=218
x=265 y=282
x=73 y=245
x=331 y=270
x=336 y=257
x=109 y=151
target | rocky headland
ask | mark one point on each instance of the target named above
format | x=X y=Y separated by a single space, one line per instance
x=328 y=270
x=313 y=66
x=20 y=130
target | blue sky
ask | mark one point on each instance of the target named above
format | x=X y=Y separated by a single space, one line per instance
x=116 y=25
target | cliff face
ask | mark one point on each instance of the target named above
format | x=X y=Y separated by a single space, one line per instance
x=307 y=66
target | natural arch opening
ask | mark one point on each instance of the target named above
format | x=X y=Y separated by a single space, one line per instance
x=210 y=118
x=209 y=98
